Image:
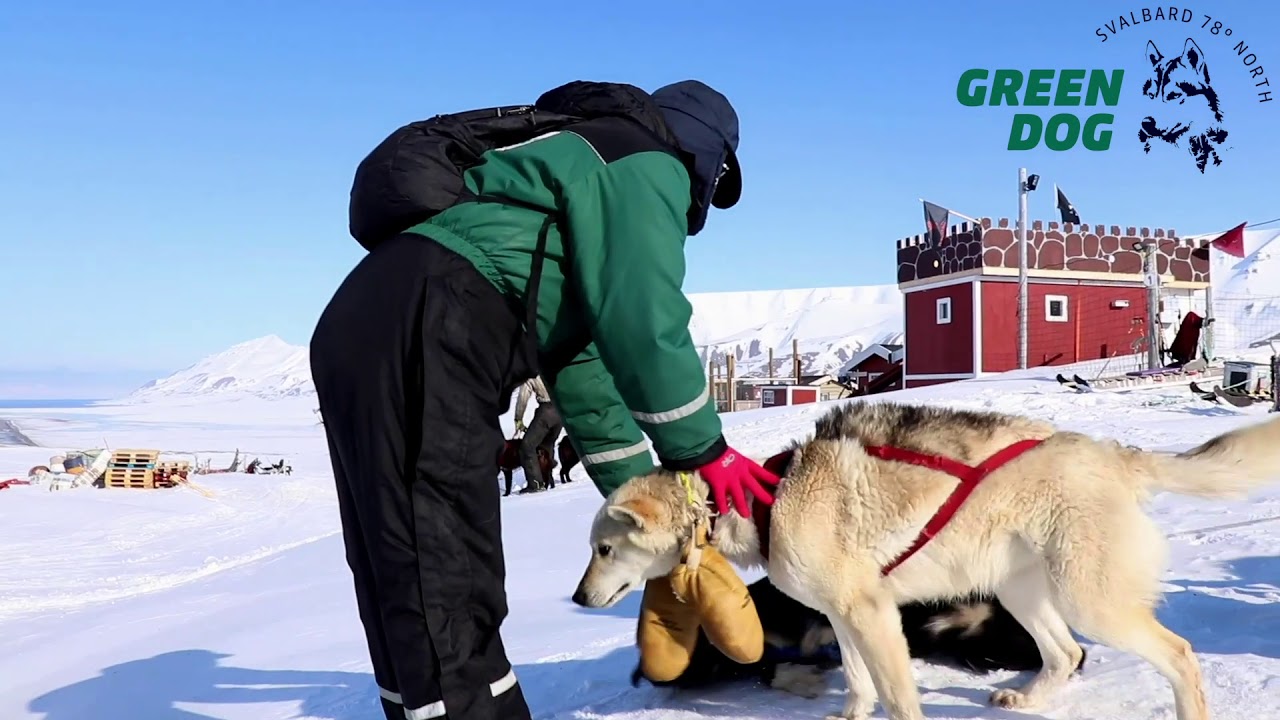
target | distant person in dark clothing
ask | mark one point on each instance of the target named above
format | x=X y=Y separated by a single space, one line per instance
x=542 y=432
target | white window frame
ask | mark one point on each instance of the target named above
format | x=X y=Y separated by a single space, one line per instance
x=1048 y=308
x=766 y=396
x=942 y=311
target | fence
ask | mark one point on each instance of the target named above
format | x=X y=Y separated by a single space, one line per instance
x=1106 y=328
x=1100 y=331
x=1103 y=332
x=1244 y=326
x=1245 y=332
x=741 y=380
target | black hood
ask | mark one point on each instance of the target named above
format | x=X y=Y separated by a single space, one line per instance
x=706 y=127
x=591 y=99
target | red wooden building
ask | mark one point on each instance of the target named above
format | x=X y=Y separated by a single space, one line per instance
x=1087 y=297
x=810 y=389
x=876 y=368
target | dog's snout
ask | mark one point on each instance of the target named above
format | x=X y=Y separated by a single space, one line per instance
x=580 y=597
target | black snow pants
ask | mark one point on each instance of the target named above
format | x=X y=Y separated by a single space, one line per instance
x=542 y=432
x=414 y=359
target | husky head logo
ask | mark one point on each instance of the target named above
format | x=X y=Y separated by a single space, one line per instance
x=1190 y=115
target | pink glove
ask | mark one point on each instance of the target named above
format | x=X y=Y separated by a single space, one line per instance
x=729 y=474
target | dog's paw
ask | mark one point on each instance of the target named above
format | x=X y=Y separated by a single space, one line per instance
x=854 y=709
x=1011 y=699
x=806 y=681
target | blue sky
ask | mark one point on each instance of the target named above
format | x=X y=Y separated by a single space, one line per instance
x=176 y=174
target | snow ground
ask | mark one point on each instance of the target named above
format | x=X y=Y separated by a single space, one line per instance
x=169 y=605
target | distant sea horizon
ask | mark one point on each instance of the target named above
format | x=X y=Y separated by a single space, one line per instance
x=52 y=403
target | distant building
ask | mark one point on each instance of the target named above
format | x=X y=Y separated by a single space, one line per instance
x=809 y=389
x=873 y=363
x=1087 y=297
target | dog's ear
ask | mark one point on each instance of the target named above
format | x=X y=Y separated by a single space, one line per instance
x=642 y=512
x=1195 y=59
x=797 y=454
x=1153 y=53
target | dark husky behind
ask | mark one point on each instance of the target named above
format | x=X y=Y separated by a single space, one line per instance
x=976 y=634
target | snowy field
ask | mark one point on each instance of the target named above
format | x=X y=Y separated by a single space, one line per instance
x=170 y=605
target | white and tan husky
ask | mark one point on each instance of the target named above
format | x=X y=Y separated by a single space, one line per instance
x=1058 y=534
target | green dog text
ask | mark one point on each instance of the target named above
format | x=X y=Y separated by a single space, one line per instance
x=1037 y=89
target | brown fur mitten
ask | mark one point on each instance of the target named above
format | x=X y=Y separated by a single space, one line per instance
x=706 y=581
x=667 y=632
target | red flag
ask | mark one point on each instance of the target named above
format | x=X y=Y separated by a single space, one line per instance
x=1231 y=242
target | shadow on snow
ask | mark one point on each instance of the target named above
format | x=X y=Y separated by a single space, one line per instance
x=173 y=685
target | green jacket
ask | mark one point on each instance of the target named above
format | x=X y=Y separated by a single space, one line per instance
x=612 y=273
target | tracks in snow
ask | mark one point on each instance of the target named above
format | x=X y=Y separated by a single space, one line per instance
x=11 y=607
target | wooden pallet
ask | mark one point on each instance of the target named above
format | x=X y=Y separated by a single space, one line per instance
x=168 y=474
x=132 y=469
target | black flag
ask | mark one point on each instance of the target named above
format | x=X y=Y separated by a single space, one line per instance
x=1066 y=209
x=935 y=222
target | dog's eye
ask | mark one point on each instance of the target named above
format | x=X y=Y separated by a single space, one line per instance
x=603 y=550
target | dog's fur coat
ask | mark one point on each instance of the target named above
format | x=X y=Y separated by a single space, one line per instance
x=1058 y=535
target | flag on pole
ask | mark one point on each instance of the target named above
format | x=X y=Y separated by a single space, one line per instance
x=1065 y=208
x=1231 y=242
x=935 y=222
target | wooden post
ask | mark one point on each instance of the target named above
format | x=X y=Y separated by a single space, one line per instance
x=770 y=375
x=795 y=358
x=717 y=366
x=719 y=385
x=711 y=378
x=729 y=389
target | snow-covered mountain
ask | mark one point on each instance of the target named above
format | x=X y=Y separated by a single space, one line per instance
x=266 y=367
x=830 y=325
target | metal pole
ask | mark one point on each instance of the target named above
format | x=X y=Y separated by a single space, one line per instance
x=1022 y=268
x=1153 y=305
x=1275 y=380
x=1208 y=322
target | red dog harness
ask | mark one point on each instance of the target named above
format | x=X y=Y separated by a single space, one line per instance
x=969 y=476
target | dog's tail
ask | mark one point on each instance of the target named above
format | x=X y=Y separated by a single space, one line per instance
x=1228 y=466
